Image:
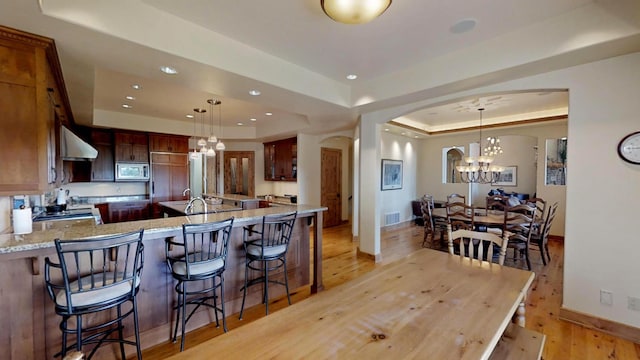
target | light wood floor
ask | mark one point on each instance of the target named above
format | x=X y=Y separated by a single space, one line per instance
x=340 y=264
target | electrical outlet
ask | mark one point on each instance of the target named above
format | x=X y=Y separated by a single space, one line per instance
x=633 y=303
x=606 y=297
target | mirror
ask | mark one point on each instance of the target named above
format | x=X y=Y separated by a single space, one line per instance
x=556 y=161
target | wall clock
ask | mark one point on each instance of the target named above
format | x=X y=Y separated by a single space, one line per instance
x=629 y=148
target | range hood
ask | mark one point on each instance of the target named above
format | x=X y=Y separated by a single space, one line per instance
x=73 y=148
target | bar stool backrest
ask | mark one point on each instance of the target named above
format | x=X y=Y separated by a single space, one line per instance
x=91 y=266
x=277 y=229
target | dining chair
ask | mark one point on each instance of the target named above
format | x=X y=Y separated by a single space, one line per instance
x=541 y=206
x=460 y=216
x=451 y=198
x=496 y=203
x=477 y=245
x=426 y=205
x=197 y=262
x=267 y=253
x=540 y=237
x=518 y=223
x=90 y=284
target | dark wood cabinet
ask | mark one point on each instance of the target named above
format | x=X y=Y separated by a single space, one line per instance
x=104 y=212
x=103 y=167
x=281 y=160
x=168 y=143
x=169 y=178
x=128 y=211
x=34 y=103
x=131 y=147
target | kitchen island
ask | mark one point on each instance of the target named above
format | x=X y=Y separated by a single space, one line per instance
x=242 y=201
x=178 y=208
x=30 y=325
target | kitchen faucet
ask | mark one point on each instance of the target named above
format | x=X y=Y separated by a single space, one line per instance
x=187 y=190
x=189 y=206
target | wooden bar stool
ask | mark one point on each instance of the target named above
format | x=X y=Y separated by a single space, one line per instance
x=267 y=253
x=200 y=257
x=92 y=277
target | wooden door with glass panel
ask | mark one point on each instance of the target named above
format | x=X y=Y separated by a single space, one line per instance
x=239 y=173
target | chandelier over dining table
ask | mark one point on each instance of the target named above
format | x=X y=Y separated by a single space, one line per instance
x=481 y=169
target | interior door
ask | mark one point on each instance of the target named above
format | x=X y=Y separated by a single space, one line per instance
x=331 y=185
x=239 y=173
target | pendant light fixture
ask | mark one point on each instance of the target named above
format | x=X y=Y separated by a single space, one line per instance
x=354 y=11
x=479 y=169
x=194 y=155
x=220 y=145
x=212 y=137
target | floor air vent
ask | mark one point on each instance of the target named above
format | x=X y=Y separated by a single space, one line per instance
x=391 y=218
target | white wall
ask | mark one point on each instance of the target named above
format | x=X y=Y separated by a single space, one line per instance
x=396 y=147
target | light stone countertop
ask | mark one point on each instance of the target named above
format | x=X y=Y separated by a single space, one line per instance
x=45 y=232
x=198 y=208
x=232 y=197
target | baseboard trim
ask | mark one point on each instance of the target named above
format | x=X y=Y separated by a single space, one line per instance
x=606 y=326
x=364 y=255
x=556 y=238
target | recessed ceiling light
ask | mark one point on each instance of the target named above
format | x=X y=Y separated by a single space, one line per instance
x=129 y=97
x=352 y=76
x=416 y=136
x=127 y=106
x=463 y=26
x=189 y=116
x=240 y=124
x=386 y=129
x=254 y=92
x=268 y=113
x=136 y=86
x=402 y=133
x=168 y=70
x=253 y=119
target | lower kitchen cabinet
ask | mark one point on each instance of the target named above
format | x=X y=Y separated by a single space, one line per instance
x=128 y=211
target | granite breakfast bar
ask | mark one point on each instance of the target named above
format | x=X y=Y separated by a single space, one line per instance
x=30 y=326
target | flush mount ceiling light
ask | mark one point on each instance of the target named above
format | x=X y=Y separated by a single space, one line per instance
x=354 y=11
x=168 y=70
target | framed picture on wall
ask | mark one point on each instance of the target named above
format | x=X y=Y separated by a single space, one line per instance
x=391 y=174
x=508 y=177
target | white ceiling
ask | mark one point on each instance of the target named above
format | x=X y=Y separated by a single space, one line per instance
x=298 y=58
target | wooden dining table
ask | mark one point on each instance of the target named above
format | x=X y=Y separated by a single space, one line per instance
x=482 y=216
x=428 y=305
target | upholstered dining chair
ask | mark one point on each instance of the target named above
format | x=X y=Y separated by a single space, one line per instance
x=93 y=277
x=199 y=257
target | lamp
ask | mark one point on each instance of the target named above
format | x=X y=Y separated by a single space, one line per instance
x=220 y=145
x=194 y=155
x=354 y=11
x=479 y=169
x=212 y=137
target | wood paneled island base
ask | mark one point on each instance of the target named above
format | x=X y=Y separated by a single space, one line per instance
x=30 y=326
x=429 y=305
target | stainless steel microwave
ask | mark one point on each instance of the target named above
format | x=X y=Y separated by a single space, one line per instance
x=132 y=172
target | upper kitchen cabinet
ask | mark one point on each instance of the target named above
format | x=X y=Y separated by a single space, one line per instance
x=168 y=143
x=102 y=168
x=281 y=160
x=34 y=103
x=131 y=146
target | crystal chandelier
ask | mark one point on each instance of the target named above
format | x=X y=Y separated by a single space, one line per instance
x=480 y=169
